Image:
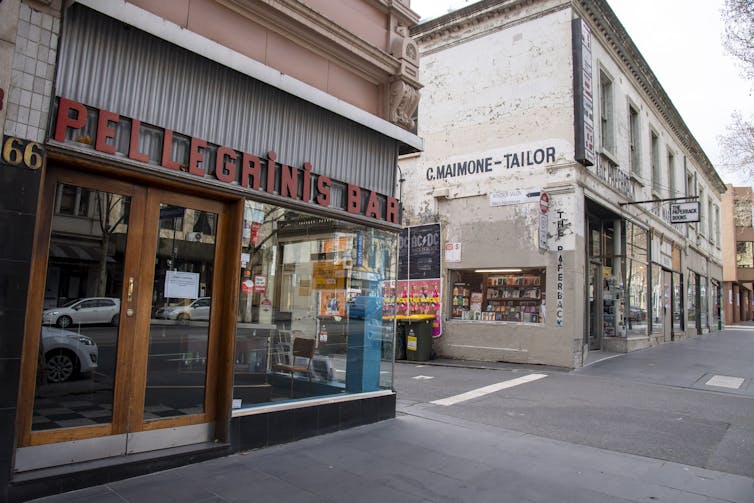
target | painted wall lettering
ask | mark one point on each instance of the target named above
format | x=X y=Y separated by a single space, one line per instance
x=481 y=166
x=559 y=309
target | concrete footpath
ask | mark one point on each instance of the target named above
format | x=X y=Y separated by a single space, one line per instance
x=427 y=458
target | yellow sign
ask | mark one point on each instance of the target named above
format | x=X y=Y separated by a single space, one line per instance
x=411 y=343
x=327 y=276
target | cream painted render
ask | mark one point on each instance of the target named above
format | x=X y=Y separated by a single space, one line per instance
x=498 y=81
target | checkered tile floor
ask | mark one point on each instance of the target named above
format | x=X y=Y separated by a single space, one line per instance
x=50 y=413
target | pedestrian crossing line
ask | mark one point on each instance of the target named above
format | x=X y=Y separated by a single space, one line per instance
x=486 y=390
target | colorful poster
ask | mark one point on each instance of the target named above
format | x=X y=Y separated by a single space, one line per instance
x=416 y=297
x=332 y=303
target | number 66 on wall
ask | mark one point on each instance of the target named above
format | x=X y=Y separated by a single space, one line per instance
x=18 y=152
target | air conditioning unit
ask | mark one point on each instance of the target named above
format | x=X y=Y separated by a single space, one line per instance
x=194 y=236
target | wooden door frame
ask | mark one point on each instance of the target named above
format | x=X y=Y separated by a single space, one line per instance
x=140 y=246
x=35 y=299
x=155 y=197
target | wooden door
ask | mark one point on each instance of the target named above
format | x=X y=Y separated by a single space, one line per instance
x=101 y=389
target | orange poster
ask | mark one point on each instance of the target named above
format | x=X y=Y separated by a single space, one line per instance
x=332 y=303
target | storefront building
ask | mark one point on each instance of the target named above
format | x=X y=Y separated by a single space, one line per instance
x=206 y=228
x=738 y=254
x=554 y=163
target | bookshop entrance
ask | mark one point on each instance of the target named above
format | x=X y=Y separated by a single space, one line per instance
x=604 y=277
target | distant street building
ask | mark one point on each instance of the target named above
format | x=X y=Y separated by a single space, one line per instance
x=738 y=253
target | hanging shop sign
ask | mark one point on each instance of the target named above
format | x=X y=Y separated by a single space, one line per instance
x=684 y=213
x=205 y=160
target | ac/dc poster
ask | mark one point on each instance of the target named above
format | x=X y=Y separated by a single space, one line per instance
x=419 y=252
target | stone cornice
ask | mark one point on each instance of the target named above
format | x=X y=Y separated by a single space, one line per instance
x=397 y=9
x=466 y=17
x=298 y=22
x=612 y=34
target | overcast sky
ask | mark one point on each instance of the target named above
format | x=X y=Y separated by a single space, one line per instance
x=682 y=42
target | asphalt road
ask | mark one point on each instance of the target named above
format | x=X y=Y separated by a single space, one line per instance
x=608 y=433
x=655 y=403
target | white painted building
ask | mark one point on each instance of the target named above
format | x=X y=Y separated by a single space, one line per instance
x=504 y=121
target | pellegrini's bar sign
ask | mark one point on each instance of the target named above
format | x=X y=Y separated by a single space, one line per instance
x=242 y=169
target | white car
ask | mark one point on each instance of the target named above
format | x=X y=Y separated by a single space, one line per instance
x=67 y=354
x=83 y=311
x=197 y=310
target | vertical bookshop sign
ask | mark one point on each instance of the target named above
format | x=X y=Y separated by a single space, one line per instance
x=582 y=92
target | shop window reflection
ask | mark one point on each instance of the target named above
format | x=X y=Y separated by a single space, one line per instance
x=309 y=277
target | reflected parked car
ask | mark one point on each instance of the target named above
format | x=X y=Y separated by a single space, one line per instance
x=637 y=314
x=67 y=354
x=196 y=310
x=83 y=311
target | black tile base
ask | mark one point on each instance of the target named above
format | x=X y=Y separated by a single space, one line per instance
x=31 y=485
x=247 y=432
x=260 y=430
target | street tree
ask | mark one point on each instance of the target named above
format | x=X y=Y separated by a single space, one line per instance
x=738 y=141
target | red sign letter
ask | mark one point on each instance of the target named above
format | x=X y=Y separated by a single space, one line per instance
x=133 y=149
x=196 y=156
x=167 y=151
x=106 y=132
x=288 y=182
x=64 y=119
x=373 y=207
x=323 y=187
x=353 y=204
x=250 y=167
x=225 y=166
x=392 y=210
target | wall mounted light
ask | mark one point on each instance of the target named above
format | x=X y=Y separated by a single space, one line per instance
x=497 y=270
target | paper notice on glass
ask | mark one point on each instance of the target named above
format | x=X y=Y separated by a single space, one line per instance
x=245 y=258
x=181 y=285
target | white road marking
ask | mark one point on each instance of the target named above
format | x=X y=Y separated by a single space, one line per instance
x=422 y=377
x=492 y=388
x=725 y=382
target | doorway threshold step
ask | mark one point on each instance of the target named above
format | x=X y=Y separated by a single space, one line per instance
x=54 y=480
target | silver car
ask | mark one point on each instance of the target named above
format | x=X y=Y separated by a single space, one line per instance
x=67 y=354
x=196 y=310
x=83 y=311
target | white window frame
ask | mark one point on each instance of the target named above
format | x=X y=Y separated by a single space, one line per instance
x=634 y=139
x=607 y=122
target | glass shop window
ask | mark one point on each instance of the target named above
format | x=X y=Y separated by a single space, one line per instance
x=311 y=318
x=510 y=294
